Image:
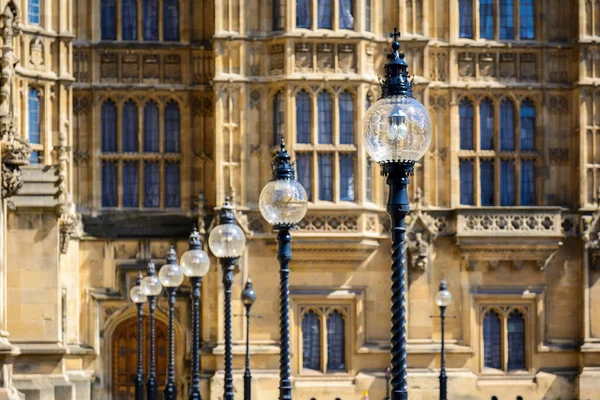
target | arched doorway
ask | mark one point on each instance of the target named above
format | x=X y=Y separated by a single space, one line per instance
x=124 y=356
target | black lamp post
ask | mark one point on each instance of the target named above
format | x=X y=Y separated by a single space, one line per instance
x=388 y=374
x=396 y=134
x=283 y=203
x=151 y=287
x=139 y=298
x=171 y=277
x=248 y=298
x=195 y=264
x=227 y=242
x=443 y=298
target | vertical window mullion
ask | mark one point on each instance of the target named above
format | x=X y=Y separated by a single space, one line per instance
x=323 y=322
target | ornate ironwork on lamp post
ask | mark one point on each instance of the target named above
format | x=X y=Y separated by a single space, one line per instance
x=139 y=298
x=283 y=203
x=171 y=277
x=396 y=134
x=227 y=242
x=195 y=263
x=151 y=287
x=443 y=298
x=248 y=298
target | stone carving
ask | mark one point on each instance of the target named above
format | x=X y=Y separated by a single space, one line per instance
x=559 y=64
x=36 y=52
x=10 y=28
x=591 y=236
x=558 y=104
x=346 y=57
x=528 y=67
x=466 y=65
x=325 y=223
x=202 y=106
x=277 y=52
x=254 y=59
x=325 y=57
x=109 y=69
x=70 y=227
x=151 y=70
x=507 y=66
x=172 y=72
x=418 y=248
x=304 y=59
x=369 y=50
x=558 y=155
x=80 y=104
x=508 y=222
x=80 y=65
x=15 y=153
x=438 y=66
x=130 y=68
x=200 y=203
x=487 y=65
x=255 y=99
x=12 y=181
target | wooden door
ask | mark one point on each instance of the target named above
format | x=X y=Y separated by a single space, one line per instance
x=124 y=356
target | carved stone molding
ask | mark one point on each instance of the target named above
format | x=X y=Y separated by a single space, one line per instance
x=70 y=227
x=591 y=237
x=15 y=153
x=12 y=181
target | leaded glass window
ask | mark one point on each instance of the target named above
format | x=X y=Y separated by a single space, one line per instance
x=346 y=12
x=151 y=127
x=303 y=117
x=486 y=19
x=150 y=25
x=109 y=184
x=130 y=184
x=516 y=341
x=304 y=172
x=33 y=12
x=151 y=185
x=507 y=20
x=303 y=13
x=109 y=126
x=527 y=125
x=129 y=19
x=172 y=127
x=486 y=124
x=172 y=185
x=336 y=352
x=324 y=13
x=527 y=17
x=311 y=341
x=108 y=19
x=465 y=22
x=325 y=108
x=487 y=182
x=130 y=127
x=527 y=183
x=466 y=183
x=507 y=183
x=346 y=177
x=368 y=15
x=466 y=124
x=507 y=125
x=492 y=341
x=325 y=177
x=346 y=105
x=171 y=20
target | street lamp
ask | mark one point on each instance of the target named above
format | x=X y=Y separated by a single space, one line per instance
x=139 y=298
x=151 y=287
x=396 y=134
x=171 y=277
x=443 y=298
x=388 y=374
x=227 y=242
x=248 y=298
x=195 y=264
x=283 y=203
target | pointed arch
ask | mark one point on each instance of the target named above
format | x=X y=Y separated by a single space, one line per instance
x=325 y=110
x=346 y=113
x=527 y=128
x=467 y=115
x=507 y=125
x=516 y=340
x=336 y=339
x=486 y=124
x=311 y=341
x=492 y=340
x=303 y=117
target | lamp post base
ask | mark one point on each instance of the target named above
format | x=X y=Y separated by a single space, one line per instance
x=139 y=388
x=398 y=395
x=152 y=390
x=443 y=387
x=170 y=392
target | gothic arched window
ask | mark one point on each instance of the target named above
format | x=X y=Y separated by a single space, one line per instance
x=108 y=20
x=150 y=25
x=34 y=122
x=336 y=337
x=507 y=125
x=151 y=127
x=304 y=172
x=171 y=20
x=346 y=12
x=507 y=20
x=516 y=341
x=172 y=127
x=346 y=109
x=324 y=14
x=303 y=117
x=346 y=177
x=491 y=341
x=109 y=126
x=527 y=18
x=325 y=108
x=303 y=13
x=278 y=117
x=486 y=19
x=311 y=341
x=326 y=176
x=129 y=19
x=130 y=127
x=486 y=170
x=465 y=21
x=527 y=133
x=130 y=183
x=466 y=113
x=486 y=124
x=33 y=12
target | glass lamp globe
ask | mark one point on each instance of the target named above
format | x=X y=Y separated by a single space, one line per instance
x=283 y=202
x=195 y=263
x=443 y=298
x=151 y=285
x=397 y=128
x=137 y=295
x=170 y=275
x=227 y=240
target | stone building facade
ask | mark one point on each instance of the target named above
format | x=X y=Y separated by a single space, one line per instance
x=137 y=116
